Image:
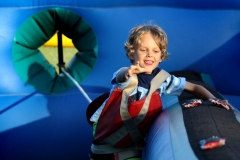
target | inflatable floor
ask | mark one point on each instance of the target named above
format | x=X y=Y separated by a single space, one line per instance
x=43 y=110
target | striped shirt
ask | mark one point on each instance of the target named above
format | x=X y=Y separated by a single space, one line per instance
x=172 y=86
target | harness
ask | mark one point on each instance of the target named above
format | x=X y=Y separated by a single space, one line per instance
x=129 y=120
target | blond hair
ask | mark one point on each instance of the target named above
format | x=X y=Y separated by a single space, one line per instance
x=136 y=33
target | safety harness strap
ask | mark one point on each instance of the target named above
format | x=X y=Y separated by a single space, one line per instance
x=154 y=85
x=130 y=126
x=126 y=118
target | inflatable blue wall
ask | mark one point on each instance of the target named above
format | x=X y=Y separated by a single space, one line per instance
x=203 y=36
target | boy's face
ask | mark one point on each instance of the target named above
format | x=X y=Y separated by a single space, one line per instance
x=147 y=53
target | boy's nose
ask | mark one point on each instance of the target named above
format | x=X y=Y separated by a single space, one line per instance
x=149 y=54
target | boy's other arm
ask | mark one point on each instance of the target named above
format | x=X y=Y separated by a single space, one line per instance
x=200 y=92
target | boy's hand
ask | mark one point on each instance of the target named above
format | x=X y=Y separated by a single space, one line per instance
x=135 y=69
x=223 y=103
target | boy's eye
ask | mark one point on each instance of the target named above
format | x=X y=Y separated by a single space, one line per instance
x=156 y=51
x=143 y=50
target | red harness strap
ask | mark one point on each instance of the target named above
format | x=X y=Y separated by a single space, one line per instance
x=124 y=122
x=110 y=122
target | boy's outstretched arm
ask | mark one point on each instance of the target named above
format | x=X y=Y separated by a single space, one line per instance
x=200 y=92
x=121 y=76
x=126 y=72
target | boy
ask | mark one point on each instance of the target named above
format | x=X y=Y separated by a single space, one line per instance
x=119 y=134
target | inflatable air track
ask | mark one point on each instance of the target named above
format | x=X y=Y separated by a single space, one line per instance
x=42 y=114
x=177 y=131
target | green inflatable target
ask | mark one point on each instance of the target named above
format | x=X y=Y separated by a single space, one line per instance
x=33 y=67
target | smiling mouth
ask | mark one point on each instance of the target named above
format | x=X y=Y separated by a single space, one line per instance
x=148 y=62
